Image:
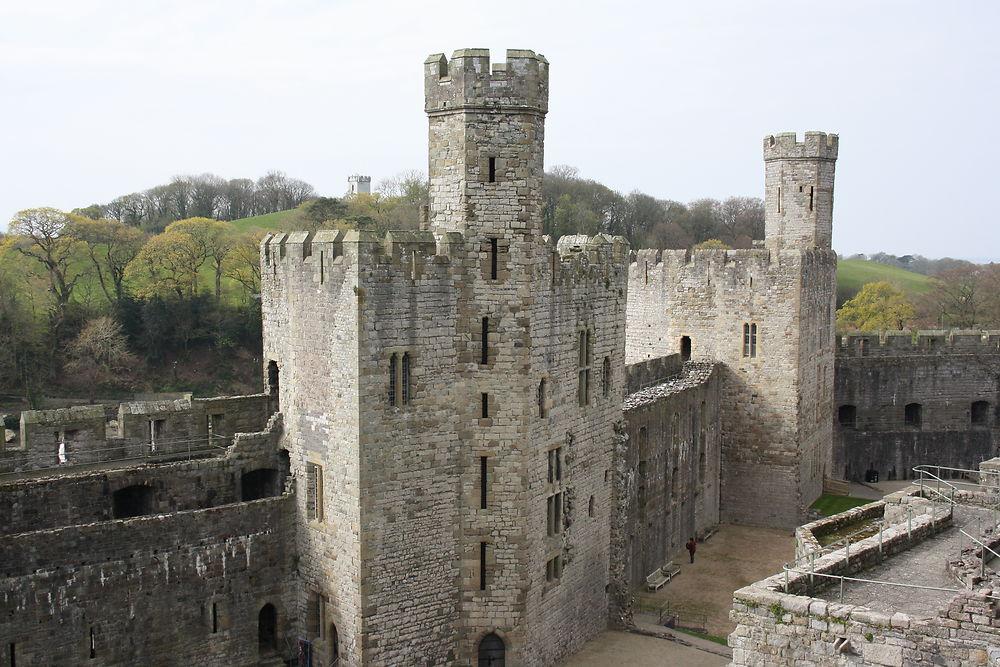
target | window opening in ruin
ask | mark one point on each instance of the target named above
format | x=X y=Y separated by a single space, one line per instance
x=541 y=399
x=606 y=377
x=979 y=413
x=404 y=379
x=272 y=381
x=484 y=359
x=847 y=416
x=555 y=465
x=136 y=500
x=812 y=192
x=493 y=259
x=215 y=617
x=583 y=373
x=554 y=514
x=482 y=566
x=590 y=507
x=492 y=175
x=482 y=481
x=13 y=654
x=216 y=426
x=392 y=379
x=911 y=414
x=553 y=568
x=863 y=347
x=93 y=644
x=267 y=629
x=314 y=492
x=334 y=645
x=260 y=483
x=779 y=199
x=314 y=614
x=686 y=348
x=492 y=651
x=485 y=411
x=645 y=270
x=749 y=340
x=156 y=429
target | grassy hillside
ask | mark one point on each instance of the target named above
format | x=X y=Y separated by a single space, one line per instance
x=853 y=273
x=267 y=222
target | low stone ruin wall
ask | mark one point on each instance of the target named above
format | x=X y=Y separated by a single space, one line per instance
x=806 y=541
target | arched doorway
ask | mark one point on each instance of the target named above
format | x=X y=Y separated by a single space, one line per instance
x=334 y=645
x=267 y=628
x=492 y=651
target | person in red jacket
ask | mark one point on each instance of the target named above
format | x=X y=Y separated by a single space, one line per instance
x=691 y=547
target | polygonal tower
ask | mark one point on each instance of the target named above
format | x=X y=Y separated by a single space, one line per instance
x=798 y=190
x=449 y=399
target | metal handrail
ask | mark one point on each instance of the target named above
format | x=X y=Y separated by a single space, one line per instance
x=844 y=578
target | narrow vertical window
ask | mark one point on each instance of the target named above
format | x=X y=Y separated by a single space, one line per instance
x=314 y=492
x=779 y=199
x=405 y=379
x=483 y=481
x=392 y=379
x=590 y=507
x=321 y=267
x=493 y=259
x=753 y=340
x=541 y=399
x=492 y=168
x=606 y=376
x=812 y=196
x=486 y=341
x=215 y=617
x=482 y=566
x=558 y=454
x=13 y=654
x=583 y=380
x=485 y=412
x=686 y=348
x=93 y=644
x=749 y=340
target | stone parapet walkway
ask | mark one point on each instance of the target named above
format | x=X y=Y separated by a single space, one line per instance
x=923 y=564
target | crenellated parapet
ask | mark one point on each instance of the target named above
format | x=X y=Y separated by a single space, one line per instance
x=814 y=146
x=923 y=342
x=468 y=80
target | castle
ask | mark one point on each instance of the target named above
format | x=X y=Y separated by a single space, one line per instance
x=472 y=443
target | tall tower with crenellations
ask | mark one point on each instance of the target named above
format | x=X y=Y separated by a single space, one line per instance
x=798 y=190
x=767 y=315
x=450 y=398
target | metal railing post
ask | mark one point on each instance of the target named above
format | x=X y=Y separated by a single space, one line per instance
x=881 y=526
x=841 y=590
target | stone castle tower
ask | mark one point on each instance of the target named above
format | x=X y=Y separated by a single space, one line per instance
x=359 y=185
x=449 y=398
x=767 y=315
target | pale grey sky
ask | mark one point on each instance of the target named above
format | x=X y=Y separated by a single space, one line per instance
x=105 y=97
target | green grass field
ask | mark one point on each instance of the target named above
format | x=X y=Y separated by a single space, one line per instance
x=852 y=274
x=267 y=222
x=829 y=504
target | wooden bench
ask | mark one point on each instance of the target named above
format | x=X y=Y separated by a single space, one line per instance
x=656 y=579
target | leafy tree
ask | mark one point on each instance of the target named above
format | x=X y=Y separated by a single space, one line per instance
x=965 y=298
x=712 y=244
x=243 y=262
x=110 y=245
x=43 y=235
x=877 y=306
x=167 y=265
x=212 y=238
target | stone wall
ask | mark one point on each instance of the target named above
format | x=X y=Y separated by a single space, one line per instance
x=945 y=373
x=671 y=469
x=183 y=588
x=88 y=434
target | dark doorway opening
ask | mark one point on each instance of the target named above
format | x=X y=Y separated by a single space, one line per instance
x=132 y=501
x=272 y=382
x=267 y=628
x=260 y=483
x=334 y=645
x=686 y=348
x=492 y=651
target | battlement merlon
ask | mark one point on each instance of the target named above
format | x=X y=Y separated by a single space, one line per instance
x=468 y=81
x=815 y=146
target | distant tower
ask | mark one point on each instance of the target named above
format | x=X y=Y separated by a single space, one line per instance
x=359 y=185
x=798 y=190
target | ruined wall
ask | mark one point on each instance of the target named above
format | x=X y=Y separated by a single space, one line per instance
x=953 y=376
x=671 y=479
x=184 y=588
x=88 y=434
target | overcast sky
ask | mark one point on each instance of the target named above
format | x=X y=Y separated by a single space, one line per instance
x=102 y=98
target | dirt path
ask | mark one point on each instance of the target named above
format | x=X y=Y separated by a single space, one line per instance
x=734 y=557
